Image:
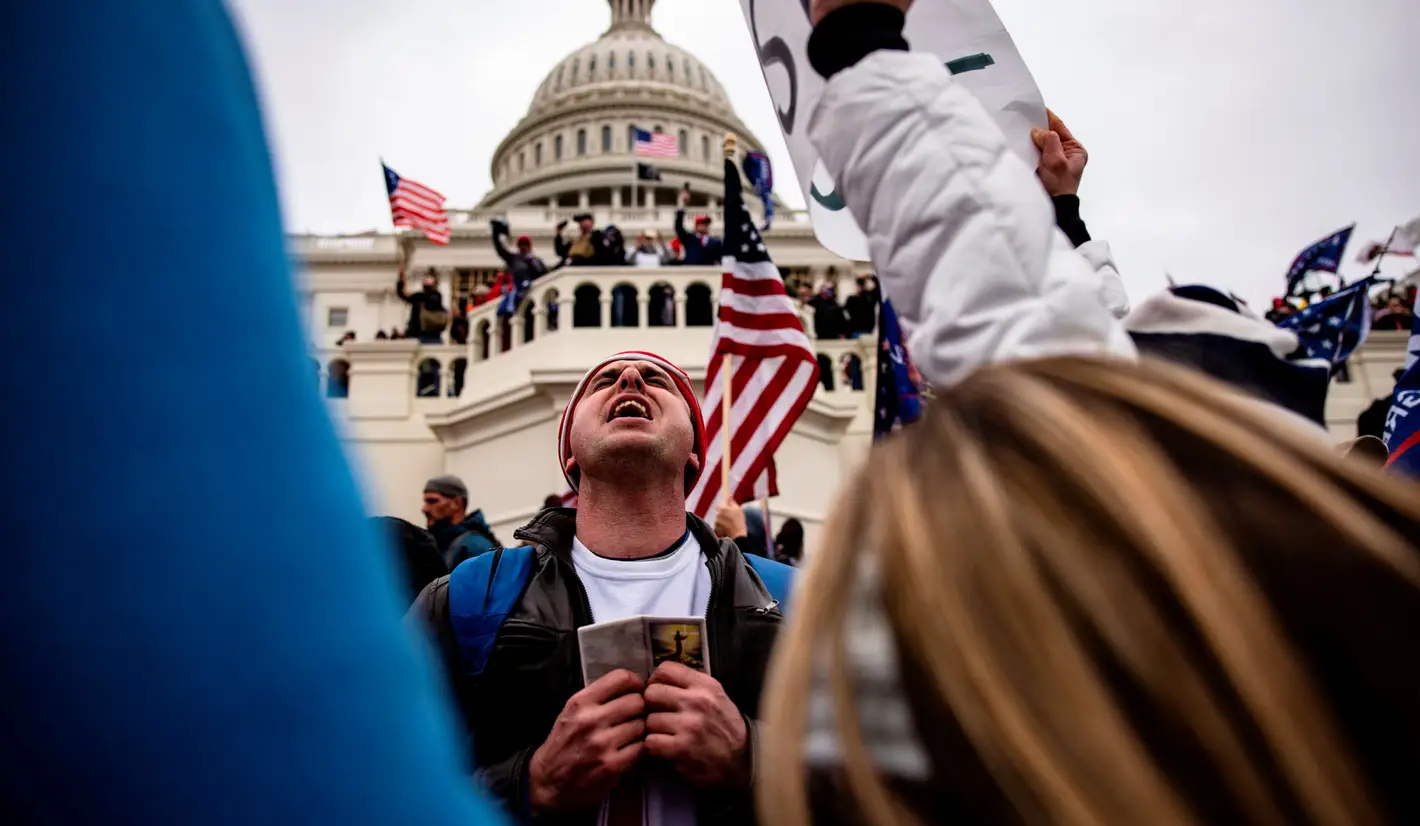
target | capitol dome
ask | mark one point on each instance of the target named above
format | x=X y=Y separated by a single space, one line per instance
x=573 y=148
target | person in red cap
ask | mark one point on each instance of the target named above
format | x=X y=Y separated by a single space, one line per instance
x=678 y=748
x=701 y=248
x=523 y=266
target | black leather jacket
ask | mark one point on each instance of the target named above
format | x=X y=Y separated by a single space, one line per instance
x=535 y=665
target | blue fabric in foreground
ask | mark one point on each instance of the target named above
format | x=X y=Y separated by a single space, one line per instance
x=198 y=625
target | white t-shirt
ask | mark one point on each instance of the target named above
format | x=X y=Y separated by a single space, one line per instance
x=674 y=585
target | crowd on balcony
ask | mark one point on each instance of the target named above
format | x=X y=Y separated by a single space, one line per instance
x=1390 y=307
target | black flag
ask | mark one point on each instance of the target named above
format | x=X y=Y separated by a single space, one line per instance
x=647 y=172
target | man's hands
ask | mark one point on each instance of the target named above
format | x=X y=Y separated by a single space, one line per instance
x=730 y=521
x=683 y=199
x=819 y=9
x=597 y=737
x=696 y=728
x=1062 y=158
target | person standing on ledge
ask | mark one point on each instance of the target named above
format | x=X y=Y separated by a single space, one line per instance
x=701 y=248
x=631 y=444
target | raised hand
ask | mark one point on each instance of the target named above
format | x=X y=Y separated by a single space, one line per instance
x=1062 y=157
x=596 y=738
x=695 y=727
x=730 y=521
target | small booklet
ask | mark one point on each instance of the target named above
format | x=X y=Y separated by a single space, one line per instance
x=639 y=644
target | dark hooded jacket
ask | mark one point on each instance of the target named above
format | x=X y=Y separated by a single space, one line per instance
x=535 y=666
x=465 y=539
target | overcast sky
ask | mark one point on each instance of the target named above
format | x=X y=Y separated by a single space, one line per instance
x=1225 y=135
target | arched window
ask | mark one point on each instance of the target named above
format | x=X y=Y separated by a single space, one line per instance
x=631 y=60
x=698 y=311
x=606 y=139
x=456 y=384
x=852 y=371
x=611 y=62
x=592 y=66
x=337 y=381
x=550 y=303
x=650 y=63
x=480 y=337
x=522 y=158
x=670 y=66
x=624 y=312
x=631 y=138
x=559 y=75
x=703 y=87
x=660 y=306
x=557 y=148
x=682 y=141
x=587 y=309
x=825 y=372
x=428 y=381
x=581 y=142
x=537 y=154
x=687 y=71
x=705 y=147
x=576 y=64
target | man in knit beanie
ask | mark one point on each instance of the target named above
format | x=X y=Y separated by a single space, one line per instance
x=631 y=444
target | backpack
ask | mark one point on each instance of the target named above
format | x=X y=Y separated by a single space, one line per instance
x=482 y=591
x=432 y=321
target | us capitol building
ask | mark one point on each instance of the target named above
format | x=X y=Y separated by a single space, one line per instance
x=488 y=411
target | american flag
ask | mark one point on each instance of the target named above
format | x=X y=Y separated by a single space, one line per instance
x=774 y=369
x=1402 y=423
x=655 y=144
x=416 y=206
x=1323 y=256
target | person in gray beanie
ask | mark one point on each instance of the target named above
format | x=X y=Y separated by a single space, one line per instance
x=459 y=534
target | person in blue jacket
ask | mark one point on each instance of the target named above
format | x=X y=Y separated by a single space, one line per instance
x=218 y=639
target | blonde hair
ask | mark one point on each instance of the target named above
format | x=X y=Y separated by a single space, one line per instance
x=1058 y=535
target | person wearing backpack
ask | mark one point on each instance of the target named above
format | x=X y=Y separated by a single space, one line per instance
x=459 y=534
x=677 y=749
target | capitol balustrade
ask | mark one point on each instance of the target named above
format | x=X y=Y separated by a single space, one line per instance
x=567 y=320
x=628 y=219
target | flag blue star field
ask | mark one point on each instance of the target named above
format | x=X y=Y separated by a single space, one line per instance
x=1330 y=330
x=1323 y=256
x=899 y=401
x=1402 y=424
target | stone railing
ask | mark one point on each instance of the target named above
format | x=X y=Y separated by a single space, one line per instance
x=567 y=320
x=628 y=219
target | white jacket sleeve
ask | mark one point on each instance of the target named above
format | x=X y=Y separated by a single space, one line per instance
x=961 y=233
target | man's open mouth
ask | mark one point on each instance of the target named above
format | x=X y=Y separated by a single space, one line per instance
x=631 y=409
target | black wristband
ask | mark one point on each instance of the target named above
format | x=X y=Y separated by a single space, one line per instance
x=1067 y=218
x=851 y=33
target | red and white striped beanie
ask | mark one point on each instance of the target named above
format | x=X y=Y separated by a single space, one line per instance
x=682 y=383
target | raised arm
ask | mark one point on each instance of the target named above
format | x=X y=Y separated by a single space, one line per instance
x=960 y=230
x=499 y=229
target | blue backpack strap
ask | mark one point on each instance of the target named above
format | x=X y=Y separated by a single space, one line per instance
x=777 y=577
x=482 y=591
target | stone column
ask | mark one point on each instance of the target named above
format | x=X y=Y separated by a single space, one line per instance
x=643 y=317
x=584 y=199
x=616 y=197
x=606 y=308
x=515 y=336
x=680 y=309
x=539 y=321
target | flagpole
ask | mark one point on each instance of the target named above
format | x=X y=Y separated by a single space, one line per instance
x=1375 y=273
x=768 y=532
x=727 y=379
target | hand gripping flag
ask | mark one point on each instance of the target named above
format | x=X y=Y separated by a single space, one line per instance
x=899 y=401
x=772 y=370
x=1334 y=328
x=1323 y=256
x=1402 y=424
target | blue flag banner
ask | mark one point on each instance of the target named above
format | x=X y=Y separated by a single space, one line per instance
x=1323 y=256
x=508 y=304
x=1402 y=424
x=899 y=401
x=1332 y=329
x=760 y=175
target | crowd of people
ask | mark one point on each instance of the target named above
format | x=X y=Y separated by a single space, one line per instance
x=1116 y=574
x=1391 y=307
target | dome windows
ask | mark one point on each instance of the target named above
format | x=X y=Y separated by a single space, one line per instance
x=576 y=64
x=592 y=66
x=651 y=62
x=705 y=147
x=631 y=60
x=537 y=154
x=631 y=138
x=682 y=141
x=611 y=62
x=522 y=160
x=581 y=142
x=606 y=140
x=670 y=66
x=557 y=148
